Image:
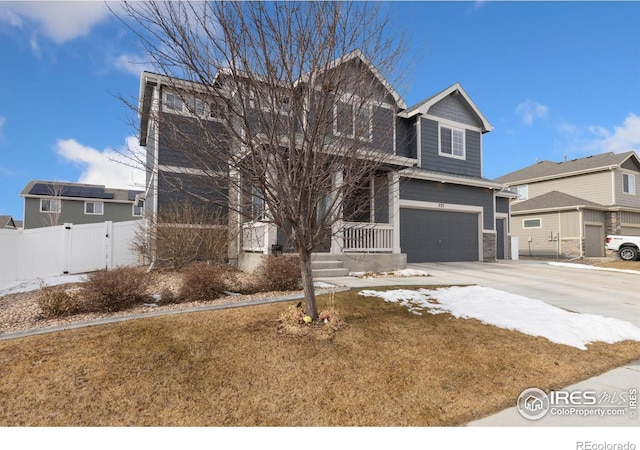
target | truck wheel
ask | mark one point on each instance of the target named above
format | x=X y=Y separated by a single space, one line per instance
x=628 y=253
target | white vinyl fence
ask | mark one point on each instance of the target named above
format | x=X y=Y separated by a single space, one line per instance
x=65 y=249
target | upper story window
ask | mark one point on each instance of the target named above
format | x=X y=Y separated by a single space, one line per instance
x=353 y=121
x=138 y=208
x=173 y=101
x=522 y=191
x=196 y=106
x=452 y=142
x=50 y=205
x=628 y=183
x=94 y=208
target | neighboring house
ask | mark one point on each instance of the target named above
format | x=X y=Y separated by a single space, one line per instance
x=7 y=223
x=49 y=203
x=567 y=208
x=435 y=204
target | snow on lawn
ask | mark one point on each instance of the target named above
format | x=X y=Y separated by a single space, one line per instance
x=32 y=285
x=394 y=273
x=589 y=267
x=513 y=312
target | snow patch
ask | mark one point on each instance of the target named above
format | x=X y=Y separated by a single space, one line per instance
x=589 y=267
x=513 y=312
x=33 y=285
x=322 y=285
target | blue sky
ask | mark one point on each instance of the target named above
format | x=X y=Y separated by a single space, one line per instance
x=555 y=79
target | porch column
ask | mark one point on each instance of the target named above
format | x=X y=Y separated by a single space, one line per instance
x=394 y=208
x=337 y=223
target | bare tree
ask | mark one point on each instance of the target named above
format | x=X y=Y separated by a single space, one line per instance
x=181 y=234
x=303 y=112
x=52 y=205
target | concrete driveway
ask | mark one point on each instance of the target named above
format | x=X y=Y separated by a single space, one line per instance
x=607 y=293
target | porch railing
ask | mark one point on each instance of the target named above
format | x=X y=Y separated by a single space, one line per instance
x=368 y=237
x=256 y=236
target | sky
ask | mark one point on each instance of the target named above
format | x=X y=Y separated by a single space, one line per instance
x=555 y=79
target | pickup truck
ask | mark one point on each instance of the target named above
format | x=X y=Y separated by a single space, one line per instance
x=626 y=246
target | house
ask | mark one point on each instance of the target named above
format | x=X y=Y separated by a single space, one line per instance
x=566 y=208
x=433 y=202
x=50 y=203
x=7 y=223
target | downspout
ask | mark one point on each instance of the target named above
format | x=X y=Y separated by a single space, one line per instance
x=580 y=212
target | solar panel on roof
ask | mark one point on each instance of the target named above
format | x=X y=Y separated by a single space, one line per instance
x=40 y=189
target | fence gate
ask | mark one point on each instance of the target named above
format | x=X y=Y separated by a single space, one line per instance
x=65 y=249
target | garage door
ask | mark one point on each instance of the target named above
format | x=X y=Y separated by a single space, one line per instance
x=434 y=236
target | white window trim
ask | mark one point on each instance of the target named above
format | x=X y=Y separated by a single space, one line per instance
x=133 y=210
x=350 y=100
x=54 y=201
x=464 y=141
x=184 y=111
x=517 y=190
x=93 y=213
x=631 y=183
x=539 y=219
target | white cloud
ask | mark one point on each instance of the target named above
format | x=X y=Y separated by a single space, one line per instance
x=599 y=139
x=109 y=167
x=58 y=21
x=132 y=64
x=530 y=110
x=622 y=139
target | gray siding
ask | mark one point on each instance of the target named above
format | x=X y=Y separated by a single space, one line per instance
x=452 y=108
x=201 y=192
x=502 y=205
x=431 y=191
x=432 y=160
x=382 y=135
x=406 y=144
x=72 y=211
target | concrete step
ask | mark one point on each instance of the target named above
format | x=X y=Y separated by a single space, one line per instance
x=326 y=257
x=326 y=265
x=326 y=273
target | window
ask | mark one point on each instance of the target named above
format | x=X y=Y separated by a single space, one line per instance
x=257 y=204
x=532 y=223
x=352 y=121
x=522 y=191
x=138 y=208
x=452 y=142
x=50 y=205
x=95 y=208
x=196 y=106
x=628 y=183
x=172 y=101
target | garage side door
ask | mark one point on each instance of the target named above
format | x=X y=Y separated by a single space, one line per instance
x=435 y=236
x=594 y=237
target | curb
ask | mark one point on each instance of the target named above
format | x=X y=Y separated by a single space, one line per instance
x=110 y=320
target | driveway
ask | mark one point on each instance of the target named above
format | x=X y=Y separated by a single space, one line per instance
x=607 y=293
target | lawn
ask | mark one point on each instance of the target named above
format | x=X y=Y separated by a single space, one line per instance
x=237 y=367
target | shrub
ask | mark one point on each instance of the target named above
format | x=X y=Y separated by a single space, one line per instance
x=116 y=289
x=57 y=302
x=280 y=273
x=203 y=281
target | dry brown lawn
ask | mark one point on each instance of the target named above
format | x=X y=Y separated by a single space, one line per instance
x=234 y=367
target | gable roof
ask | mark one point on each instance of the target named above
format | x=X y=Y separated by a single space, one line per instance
x=553 y=200
x=7 y=222
x=36 y=188
x=548 y=169
x=357 y=54
x=455 y=89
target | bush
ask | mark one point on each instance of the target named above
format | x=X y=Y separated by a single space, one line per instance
x=203 y=281
x=116 y=289
x=280 y=273
x=57 y=302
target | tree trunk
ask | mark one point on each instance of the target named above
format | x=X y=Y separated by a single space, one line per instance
x=307 y=285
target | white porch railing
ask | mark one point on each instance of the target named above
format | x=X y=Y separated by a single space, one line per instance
x=368 y=237
x=258 y=237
